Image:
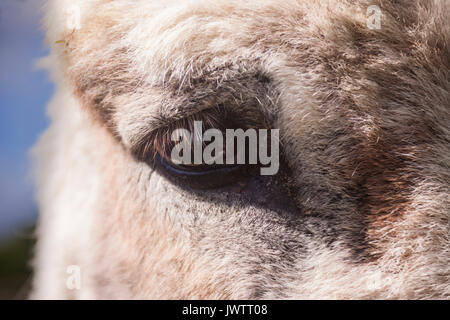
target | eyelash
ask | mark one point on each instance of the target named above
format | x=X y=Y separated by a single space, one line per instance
x=160 y=142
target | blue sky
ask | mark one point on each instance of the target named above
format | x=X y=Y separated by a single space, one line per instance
x=24 y=93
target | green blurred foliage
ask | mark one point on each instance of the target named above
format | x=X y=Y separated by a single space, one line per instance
x=15 y=269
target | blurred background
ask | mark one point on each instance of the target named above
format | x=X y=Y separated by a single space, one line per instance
x=24 y=92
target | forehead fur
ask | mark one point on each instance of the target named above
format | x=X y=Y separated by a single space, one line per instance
x=142 y=67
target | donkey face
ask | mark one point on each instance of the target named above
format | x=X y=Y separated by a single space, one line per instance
x=358 y=207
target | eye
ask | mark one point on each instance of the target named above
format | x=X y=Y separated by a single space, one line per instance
x=172 y=151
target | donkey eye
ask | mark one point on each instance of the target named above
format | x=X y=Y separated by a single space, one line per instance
x=208 y=150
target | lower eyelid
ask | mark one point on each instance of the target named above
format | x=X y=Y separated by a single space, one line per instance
x=206 y=171
x=216 y=178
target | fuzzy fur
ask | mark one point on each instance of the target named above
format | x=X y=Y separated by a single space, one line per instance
x=361 y=206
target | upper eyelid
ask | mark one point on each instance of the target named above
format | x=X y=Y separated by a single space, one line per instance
x=214 y=106
x=221 y=86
